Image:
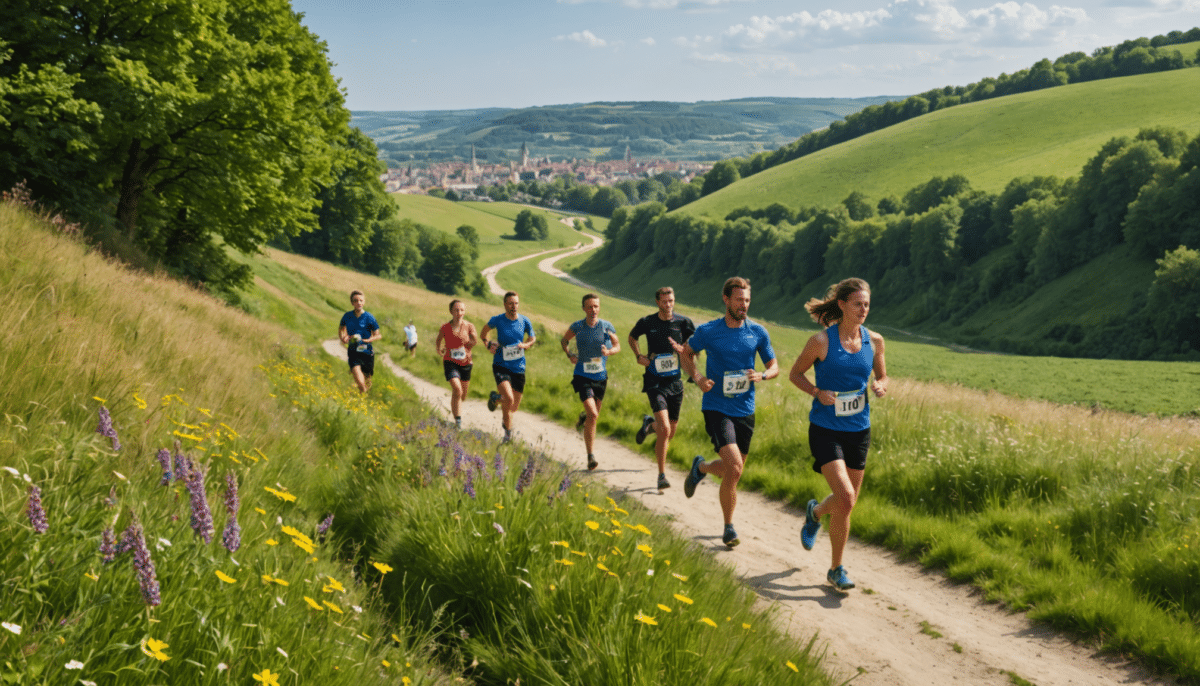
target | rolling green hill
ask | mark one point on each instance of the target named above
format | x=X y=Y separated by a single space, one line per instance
x=1049 y=132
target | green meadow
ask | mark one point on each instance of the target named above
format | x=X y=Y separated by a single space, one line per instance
x=1048 y=132
x=1084 y=518
x=306 y=534
x=493 y=221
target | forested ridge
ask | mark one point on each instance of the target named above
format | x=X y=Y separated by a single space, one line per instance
x=945 y=251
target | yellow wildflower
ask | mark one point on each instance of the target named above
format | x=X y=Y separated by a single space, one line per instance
x=313 y=604
x=91 y=576
x=592 y=525
x=140 y=403
x=792 y=666
x=708 y=621
x=562 y=543
x=593 y=507
x=271 y=541
x=334 y=585
x=683 y=599
x=333 y=607
x=266 y=678
x=664 y=608
x=645 y=619
x=154 y=648
x=225 y=577
x=260 y=510
x=679 y=576
x=565 y=561
x=383 y=568
x=306 y=547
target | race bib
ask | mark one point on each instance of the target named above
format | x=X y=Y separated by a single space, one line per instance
x=363 y=347
x=666 y=364
x=593 y=366
x=512 y=352
x=458 y=354
x=736 y=383
x=850 y=403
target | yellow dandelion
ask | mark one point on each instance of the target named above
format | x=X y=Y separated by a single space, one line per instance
x=708 y=621
x=601 y=567
x=664 y=608
x=266 y=678
x=565 y=561
x=562 y=543
x=641 y=528
x=397 y=639
x=266 y=579
x=615 y=523
x=406 y=681
x=99 y=399
x=592 y=525
x=140 y=403
x=617 y=509
x=580 y=553
x=306 y=547
x=313 y=604
x=644 y=619
x=334 y=585
x=383 y=569
x=333 y=607
x=792 y=666
x=683 y=599
x=617 y=551
x=594 y=508
x=225 y=577
x=260 y=510
x=679 y=576
x=271 y=541
x=644 y=548
x=91 y=576
x=385 y=663
x=154 y=648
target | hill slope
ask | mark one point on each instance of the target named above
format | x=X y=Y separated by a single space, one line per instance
x=1051 y=132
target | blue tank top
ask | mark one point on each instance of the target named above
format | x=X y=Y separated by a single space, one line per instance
x=846 y=374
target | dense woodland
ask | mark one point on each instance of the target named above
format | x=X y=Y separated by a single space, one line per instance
x=951 y=249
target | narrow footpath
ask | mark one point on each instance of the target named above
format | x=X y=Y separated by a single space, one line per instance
x=873 y=634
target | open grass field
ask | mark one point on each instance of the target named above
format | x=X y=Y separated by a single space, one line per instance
x=354 y=559
x=1049 y=132
x=1088 y=520
x=494 y=221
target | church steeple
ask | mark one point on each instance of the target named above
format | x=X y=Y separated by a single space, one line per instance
x=524 y=155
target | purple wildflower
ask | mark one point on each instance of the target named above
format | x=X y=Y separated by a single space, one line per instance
x=498 y=465
x=128 y=540
x=323 y=527
x=459 y=457
x=201 y=520
x=469 y=486
x=232 y=536
x=37 y=515
x=442 y=467
x=499 y=529
x=145 y=567
x=526 y=478
x=566 y=483
x=105 y=428
x=182 y=464
x=108 y=547
x=164 y=459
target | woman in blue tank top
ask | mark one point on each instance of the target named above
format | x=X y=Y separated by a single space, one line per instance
x=843 y=357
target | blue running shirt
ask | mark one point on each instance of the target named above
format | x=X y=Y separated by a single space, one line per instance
x=363 y=326
x=591 y=341
x=510 y=332
x=730 y=352
x=846 y=374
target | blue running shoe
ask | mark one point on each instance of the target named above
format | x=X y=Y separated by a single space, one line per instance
x=840 y=580
x=647 y=422
x=812 y=527
x=730 y=536
x=694 y=477
x=493 y=401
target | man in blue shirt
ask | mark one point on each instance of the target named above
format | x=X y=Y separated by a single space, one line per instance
x=358 y=329
x=728 y=385
x=508 y=359
x=595 y=339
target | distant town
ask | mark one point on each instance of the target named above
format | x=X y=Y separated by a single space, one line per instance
x=465 y=177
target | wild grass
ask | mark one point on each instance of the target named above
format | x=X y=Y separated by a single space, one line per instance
x=400 y=587
x=1046 y=132
x=1085 y=518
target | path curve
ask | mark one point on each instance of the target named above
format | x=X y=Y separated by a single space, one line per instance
x=489 y=273
x=876 y=634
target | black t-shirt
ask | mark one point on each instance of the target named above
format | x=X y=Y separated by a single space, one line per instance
x=658 y=333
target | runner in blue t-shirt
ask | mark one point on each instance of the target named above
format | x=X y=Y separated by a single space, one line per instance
x=728 y=385
x=595 y=340
x=514 y=335
x=357 y=330
x=843 y=357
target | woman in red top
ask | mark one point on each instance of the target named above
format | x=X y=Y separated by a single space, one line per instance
x=454 y=342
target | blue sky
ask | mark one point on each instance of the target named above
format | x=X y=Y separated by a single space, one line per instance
x=463 y=54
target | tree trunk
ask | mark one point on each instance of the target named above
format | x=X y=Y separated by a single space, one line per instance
x=138 y=165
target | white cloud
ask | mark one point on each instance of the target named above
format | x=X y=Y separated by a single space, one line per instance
x=658 y=4
x=905 y=22
x=586 y=37
x=647 y=41
x=693 y=43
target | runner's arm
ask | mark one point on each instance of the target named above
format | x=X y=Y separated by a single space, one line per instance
x=614 y=348
x=770 y=372
x=879 y=386
x=815 y=349
x=483 y=338
x=687 y=359
x=342 y=335
x=566 y=341
x=437 y=344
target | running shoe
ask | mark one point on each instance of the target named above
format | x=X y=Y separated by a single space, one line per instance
x=647 y=422
x=730 y=538
x=493 y=401
x=840 y=580
x=580 y=422
x=663 y=484
x=694 y=477
x=812 y=527
x=508 y=437
x=592 y=463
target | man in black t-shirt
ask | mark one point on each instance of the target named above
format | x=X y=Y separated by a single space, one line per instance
x=665 y=333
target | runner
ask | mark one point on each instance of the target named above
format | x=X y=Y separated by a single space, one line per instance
x=356 y=324
x=843 y=357
x=728 y=386
x=410 y=339
x=508 y=361
x=458 y=335
x=665 y=333
x=595 y=340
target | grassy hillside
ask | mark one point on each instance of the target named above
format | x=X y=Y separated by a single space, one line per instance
x=494 y=221
x=1050 y=132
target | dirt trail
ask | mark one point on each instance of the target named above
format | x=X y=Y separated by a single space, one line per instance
x=879 y=632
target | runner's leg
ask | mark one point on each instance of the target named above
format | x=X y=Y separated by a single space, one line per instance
x=664 y=428
x=592 y=407
x=845 y=484
x=729 y=467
